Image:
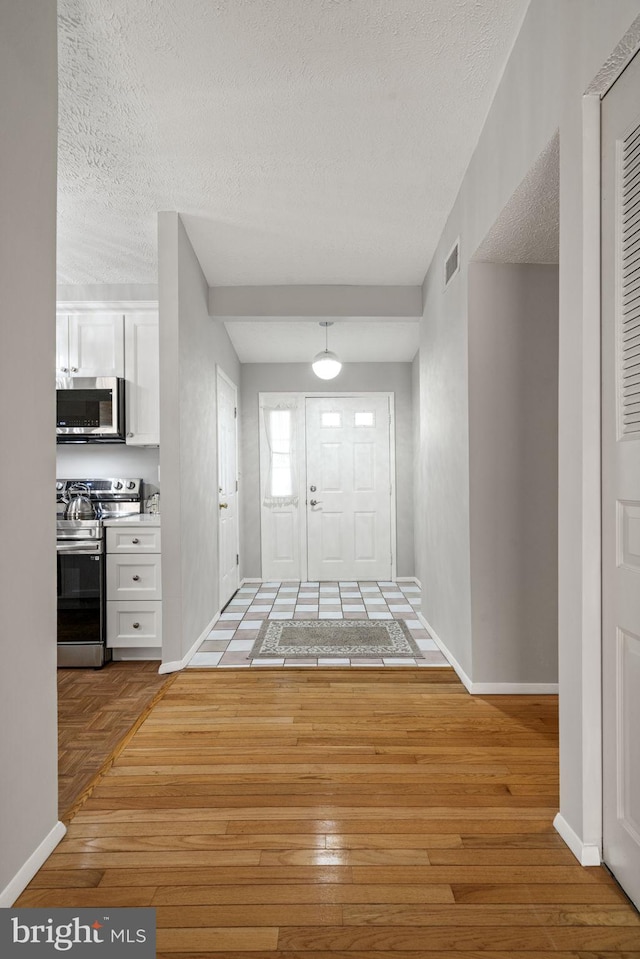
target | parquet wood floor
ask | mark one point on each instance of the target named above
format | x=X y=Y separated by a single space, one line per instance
x=331 y=813
x=96 y=708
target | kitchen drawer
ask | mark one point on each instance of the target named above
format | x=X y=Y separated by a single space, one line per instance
x=134 y=624
x=133 y=539
x=133 y=577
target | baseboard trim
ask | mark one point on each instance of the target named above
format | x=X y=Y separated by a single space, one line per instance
x=175 y=665
x=250 y=579
x=445 y=652
x=488 y=689
x=26 y=873
x=587 y=854
x=253 y=580
x=514 y=689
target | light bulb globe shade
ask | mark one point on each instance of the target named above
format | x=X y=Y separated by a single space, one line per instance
x=326 y=365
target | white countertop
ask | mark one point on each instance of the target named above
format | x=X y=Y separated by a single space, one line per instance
x=144 y=519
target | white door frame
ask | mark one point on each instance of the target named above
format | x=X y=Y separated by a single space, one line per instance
x=302 y=397
x=221 y=375
x=588 y=847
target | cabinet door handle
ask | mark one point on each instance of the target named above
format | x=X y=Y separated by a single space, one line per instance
x=129 y=434
x=74 y=369
x=136 y=625
x=64 y=369
x=135 y=540
x=136 y=578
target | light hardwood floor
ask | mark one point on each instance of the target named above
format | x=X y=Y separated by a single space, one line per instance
x=335 y=813
x=96 y=709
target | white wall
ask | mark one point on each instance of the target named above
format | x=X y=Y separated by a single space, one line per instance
x=315 y=300
x=28 y=721
x=298 y=377
x=559 y=50
x=513 y=457
x=102 y=461
x=191 y=344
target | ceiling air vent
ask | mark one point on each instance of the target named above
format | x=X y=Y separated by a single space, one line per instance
x=452 y=263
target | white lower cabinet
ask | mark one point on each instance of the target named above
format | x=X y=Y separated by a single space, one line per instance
x=134 y=576
x=134 y=587
x=134 y=624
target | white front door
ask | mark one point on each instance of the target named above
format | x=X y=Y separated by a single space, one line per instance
x=348 y=488
x=621 y=477
x=227 y=488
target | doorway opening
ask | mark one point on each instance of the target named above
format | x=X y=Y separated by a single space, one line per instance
x=327 y=485
x=513 y=356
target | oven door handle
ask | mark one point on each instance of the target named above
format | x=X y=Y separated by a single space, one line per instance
x=79 y=547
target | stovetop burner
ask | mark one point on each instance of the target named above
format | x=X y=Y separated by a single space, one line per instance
x=113 y=498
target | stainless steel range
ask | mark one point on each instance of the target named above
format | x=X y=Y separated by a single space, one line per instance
x=81 y=563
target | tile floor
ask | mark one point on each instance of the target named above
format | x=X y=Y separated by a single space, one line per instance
x=229 y=642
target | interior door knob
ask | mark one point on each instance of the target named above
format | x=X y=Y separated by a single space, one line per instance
x=314 y=502
x=223 y=505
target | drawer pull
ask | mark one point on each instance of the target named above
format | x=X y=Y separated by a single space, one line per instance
x=136 y=578
x=136 y=625
x=135 y=540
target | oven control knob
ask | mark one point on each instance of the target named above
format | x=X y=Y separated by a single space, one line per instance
x=59 y=486
x=117 y=485
x=131 y=485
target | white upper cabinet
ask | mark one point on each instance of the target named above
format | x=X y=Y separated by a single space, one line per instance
x=143 y=380
x=117 y=344
x=90 y=344
x=62 y=345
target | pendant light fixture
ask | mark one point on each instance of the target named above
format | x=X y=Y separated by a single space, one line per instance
x=326 y=364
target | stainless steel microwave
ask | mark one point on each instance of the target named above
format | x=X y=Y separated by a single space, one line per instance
x=90 y=409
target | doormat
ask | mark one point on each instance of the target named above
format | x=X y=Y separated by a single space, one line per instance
x=344 y=637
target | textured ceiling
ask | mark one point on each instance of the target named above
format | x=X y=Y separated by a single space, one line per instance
x=305 y=141
x=298 y=341
x=528 y=228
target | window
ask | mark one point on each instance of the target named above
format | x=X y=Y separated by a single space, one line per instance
x=331 y=419
x=281 y=485
x=280 y=442
x=365 y=418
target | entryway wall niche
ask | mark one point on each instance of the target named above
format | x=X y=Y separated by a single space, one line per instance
x=513 y=464
x=281 y=378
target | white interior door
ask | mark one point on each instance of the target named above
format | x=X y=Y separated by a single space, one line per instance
x=228 y=538
x=621 y=477
x=349 y=488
